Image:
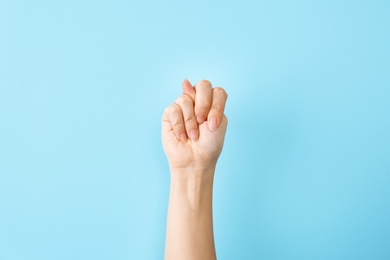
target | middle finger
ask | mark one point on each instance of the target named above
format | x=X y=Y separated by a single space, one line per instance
x=203 y=98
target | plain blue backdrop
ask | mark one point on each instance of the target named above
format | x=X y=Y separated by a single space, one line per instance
x=305 y=172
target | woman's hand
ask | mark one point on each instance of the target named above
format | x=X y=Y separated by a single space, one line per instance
x=194 y=126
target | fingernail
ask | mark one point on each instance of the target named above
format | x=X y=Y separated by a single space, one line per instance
x=200 y=119
x=194 y=134
x=213 y=124
x=183 y=137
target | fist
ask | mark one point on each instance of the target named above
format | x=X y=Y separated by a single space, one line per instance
x=194 y=127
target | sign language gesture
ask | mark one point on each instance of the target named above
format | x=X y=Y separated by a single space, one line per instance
x=194 y=126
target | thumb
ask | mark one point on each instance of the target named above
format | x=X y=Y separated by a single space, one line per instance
x=188 y=89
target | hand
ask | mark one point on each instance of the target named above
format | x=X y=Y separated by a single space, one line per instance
x=194 y=126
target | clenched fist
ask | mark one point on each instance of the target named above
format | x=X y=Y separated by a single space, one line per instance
x=194 y=126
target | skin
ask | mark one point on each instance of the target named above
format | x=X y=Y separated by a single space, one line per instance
x=193 y=132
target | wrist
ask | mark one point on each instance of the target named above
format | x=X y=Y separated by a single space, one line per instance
x=192 y=186
x=187 y=175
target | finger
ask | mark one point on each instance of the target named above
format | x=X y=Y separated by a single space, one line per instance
x=202 y=100
x=174 y=115
x=186 y=104
x=216 y=113
x=188 y=89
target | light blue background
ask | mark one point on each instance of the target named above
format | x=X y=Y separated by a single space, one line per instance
x=305 y=172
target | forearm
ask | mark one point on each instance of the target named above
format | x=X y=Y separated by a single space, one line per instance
x=190 y=222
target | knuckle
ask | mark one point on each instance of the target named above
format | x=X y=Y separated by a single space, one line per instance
x=204 y=83
x=225 y=119
x=220 y=91
x=178 y=125
x=167 y=108
x=218 y=107
x=202 y=108
x=190 y=120
x=176 y=114
x=184 y=100
x=173 y=111
x=167 y=111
